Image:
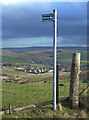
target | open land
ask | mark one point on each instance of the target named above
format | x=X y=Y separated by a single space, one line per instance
x=22 y=88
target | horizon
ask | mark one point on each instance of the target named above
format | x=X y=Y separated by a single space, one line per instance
x=46 y=47
x=39 y=48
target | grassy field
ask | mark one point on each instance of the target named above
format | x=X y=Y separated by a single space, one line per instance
x=26 y=94
x=8 y=72
x=35 y=90
x=12 y=60
x=46 y=113
x=43 y=57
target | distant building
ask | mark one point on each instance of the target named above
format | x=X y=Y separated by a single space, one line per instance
x=39 y=70
x=50 y=71
x=35 y=71
x=32 y=62
x=20 y=69
x=42 y=70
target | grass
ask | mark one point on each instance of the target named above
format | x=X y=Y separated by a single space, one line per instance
x=40 y=65
x=12 y=60
x=84 y=62
x=31 y=93
x=26 y=94
x=23 y=75
x=66 y=56
x=43 y=57
x=32 y=77
x=47 y=112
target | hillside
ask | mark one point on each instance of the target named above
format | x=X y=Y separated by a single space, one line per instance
x=23 y=88
x=42 y=57
x=37 y=48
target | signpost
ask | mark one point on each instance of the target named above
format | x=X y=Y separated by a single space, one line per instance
x=46 y=18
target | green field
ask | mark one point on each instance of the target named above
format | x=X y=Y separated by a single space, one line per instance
x=35 y=90
x=26 y=94
x=12 y=60
x=42 y=57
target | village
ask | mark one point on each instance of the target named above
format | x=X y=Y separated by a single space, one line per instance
x=37 y=70
x=29 y=69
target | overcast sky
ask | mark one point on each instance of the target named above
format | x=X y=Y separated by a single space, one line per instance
x=22 y=26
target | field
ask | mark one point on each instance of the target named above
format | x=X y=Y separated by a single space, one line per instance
x=44 y=57
x=31 y=93
x=34 y=92
x=26 y=94
x=29 y=88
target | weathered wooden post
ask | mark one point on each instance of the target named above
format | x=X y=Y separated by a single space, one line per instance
x=57 y=85
x=74 y=81
x=58 y=102
x=10 y=109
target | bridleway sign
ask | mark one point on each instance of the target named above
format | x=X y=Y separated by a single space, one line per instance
x=48 y=17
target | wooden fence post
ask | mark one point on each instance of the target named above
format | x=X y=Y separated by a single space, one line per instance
x=58 y=102
x=74 y=81
x=10 y=109
x=57 y=84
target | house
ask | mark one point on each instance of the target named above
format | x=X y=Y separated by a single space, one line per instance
x=39 y=70
x=42 y=70
x=50 y=71
x=32 y=61
x=20 y=69
x=35 y=71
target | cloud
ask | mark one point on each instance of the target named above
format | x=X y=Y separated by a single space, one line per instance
x=23 y=21
x=19 y=42
x=45 y=41
x=20 y=1
x=73 y=40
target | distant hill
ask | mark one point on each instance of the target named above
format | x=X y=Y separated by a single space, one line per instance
x=41 y=57
x=30 y=49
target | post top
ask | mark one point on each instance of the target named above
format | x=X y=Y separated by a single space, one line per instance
x=77 y=53
x=54 y=10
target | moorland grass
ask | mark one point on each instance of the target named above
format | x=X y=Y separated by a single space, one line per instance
x=31 y=93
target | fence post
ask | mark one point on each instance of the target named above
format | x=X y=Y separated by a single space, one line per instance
x=10 y=109
x=57 y=85
x=74 y=81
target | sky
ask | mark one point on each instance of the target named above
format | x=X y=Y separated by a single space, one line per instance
x=22 y=26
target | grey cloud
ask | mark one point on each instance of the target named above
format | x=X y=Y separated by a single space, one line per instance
x=24 y=20
x=74 y=40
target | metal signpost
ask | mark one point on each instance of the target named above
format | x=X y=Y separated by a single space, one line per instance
x=46 y=18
